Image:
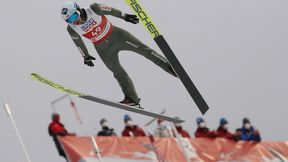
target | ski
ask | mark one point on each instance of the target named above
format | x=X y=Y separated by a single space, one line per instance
x=167 y=51
x=102 y=101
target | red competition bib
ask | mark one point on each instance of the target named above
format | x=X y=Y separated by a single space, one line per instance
x=97 y=28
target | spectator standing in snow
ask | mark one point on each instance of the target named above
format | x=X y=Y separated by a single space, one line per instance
x=55 y=129
x=162 y=130
x=223 y=130
x=248 y=132
x=106 y=131
x=131 y=130
x=202 y=130
x=180 y=129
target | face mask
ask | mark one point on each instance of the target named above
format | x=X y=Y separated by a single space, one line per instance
x=177 y=125
x=105 y=124
x=129 y=123
x=226 y=126
x=247 y=126
x=202 y=125
x=161 y=124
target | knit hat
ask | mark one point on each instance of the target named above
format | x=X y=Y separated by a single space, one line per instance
x=103 y=121
x=223 y=121
x=54 y=115
x=245 y=120
x=199 y=120
x=127 y=118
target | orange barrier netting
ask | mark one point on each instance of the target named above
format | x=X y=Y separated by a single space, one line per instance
x=118 y=149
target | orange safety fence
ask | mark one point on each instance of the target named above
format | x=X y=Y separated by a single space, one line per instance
x=140 y=149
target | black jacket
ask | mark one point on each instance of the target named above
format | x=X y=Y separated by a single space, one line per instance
x=106 y=131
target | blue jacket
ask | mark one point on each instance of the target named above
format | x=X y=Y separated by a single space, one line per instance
x=248 y=135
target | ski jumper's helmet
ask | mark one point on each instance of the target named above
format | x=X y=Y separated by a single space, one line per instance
x=70 y=12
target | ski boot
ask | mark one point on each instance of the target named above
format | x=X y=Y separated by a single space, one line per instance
x=128 y=101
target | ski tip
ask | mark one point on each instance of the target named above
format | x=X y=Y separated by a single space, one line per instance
x=204 y=109
x=179 y=121
x=182 y=121
x=34 y=75
x=57 y=86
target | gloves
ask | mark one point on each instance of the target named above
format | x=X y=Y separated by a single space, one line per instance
x=131 y=18
x=88 y=61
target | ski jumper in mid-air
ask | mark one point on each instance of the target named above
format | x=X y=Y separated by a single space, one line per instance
x=109 y=40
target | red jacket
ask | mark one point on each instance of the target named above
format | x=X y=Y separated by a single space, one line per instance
x=57 y=128
x=224 y=133
x=182 y=132
x=134 y=130
x=204 y=132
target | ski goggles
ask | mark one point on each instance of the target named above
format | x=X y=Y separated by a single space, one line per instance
x=74 y=17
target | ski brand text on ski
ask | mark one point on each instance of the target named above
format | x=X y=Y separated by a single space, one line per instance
x=144 y=18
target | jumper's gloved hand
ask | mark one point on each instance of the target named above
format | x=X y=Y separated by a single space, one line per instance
x=88 y=61
x=131 y=18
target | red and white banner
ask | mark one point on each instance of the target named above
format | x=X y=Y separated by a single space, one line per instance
x=140 y=149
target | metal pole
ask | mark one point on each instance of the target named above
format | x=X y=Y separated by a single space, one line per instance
x=75 y=110
x=152 y=120
x=53 y=108
x=187 y=159
x=96 y=149
x=159 y=156
x=9 y=113
x=57 y=100
x=77 y=114
x=179 y=138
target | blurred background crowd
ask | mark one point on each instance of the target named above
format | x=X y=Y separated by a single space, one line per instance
x=163 y=129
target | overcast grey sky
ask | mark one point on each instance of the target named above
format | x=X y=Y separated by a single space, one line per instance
x=234 y=50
